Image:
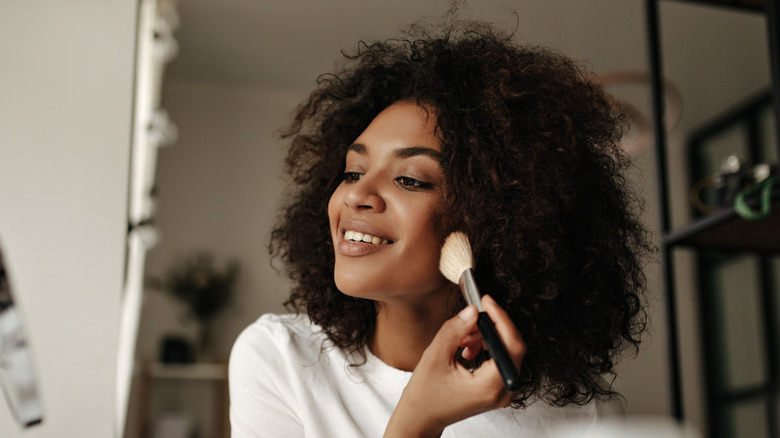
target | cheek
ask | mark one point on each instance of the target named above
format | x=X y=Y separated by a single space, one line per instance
x=424 y=219
x=333 y=210
x=427 y=236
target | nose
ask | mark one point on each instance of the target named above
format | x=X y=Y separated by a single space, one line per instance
x=365 y=195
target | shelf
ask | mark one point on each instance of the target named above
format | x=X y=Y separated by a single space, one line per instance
x=749 y=5
x=197 y=391
x=193 y=371
x=726 y=230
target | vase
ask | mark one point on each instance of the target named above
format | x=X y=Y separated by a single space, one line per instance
x=205 y=341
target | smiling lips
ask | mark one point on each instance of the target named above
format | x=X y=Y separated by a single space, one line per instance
x=357 y=244
x=358 y=237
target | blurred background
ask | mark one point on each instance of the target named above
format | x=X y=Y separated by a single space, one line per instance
x=229 y=77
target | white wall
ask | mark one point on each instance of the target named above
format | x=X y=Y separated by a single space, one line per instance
x=65 y=115
x=219 y=190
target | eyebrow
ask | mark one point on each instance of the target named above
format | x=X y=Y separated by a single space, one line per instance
x=406 y=152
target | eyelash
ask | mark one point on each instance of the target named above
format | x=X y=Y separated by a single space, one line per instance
x=350 y=177
x=404 y=182
x=413 y=184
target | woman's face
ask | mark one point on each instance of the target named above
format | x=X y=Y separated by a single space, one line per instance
x=381 y=216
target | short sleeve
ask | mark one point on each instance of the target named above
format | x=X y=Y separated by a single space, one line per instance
x=259 y=400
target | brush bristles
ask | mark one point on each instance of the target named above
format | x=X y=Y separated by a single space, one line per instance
x=456 y=256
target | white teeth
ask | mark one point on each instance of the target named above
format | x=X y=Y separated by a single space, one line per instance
x=354 y=236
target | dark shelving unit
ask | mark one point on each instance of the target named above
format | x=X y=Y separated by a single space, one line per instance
x=720 y=238
x=728 y=231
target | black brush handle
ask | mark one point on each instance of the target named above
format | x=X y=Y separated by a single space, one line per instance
x=498 y=352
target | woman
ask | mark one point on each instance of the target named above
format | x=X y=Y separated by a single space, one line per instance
x=411 y=140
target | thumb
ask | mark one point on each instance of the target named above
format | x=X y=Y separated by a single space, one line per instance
x=449 y=336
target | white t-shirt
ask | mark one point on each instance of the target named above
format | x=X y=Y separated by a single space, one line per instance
x=287 y=380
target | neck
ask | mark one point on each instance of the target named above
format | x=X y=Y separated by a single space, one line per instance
x=404 y=330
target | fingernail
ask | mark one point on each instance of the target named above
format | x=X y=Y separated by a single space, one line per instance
x=468 y=314
x=489 y=299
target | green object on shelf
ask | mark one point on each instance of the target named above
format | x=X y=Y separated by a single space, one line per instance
x=744 y=210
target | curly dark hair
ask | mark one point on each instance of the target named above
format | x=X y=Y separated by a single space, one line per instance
x=533 y=168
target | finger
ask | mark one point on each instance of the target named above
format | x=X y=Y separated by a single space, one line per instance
x=472 y=344
x=492 y=390
x=474 y=337
x=506 y=329
x=469 y=353
x=453 y=331
x=472 y=349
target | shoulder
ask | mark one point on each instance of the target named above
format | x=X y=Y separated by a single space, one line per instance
x=264 y=375
x=597 y=411
x=537 y=419
x=274 y=340
x=272 y=327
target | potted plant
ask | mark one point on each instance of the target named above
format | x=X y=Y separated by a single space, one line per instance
x=202 y=287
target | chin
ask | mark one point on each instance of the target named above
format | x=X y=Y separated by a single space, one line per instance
x=355 y=289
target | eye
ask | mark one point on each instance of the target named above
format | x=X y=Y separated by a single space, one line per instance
x=350 y=177
x=412 y=184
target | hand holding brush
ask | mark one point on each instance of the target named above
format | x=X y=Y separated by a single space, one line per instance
x=457 y=265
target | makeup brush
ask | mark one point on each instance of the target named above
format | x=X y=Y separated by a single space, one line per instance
x=457 y=264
